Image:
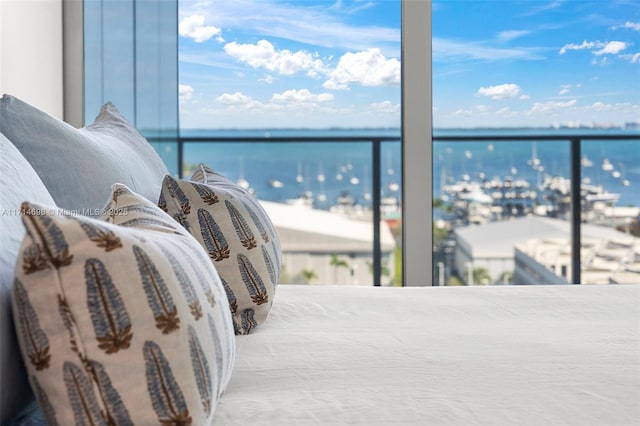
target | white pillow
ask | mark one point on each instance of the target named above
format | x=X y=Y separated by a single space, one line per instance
x=18 y=181
x=78 y=166
x=121 y=318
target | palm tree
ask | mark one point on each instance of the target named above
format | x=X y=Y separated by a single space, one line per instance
x=384 y=270
x=308 y=275
x=337 y=263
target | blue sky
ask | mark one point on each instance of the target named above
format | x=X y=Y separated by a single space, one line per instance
x=318 y=64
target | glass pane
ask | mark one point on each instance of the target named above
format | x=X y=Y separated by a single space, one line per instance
x=109 y=57
x=315 y=69
x=130 y=61
x=494 y=200
x=507 y=78
x=156 y=48
x=318 y=196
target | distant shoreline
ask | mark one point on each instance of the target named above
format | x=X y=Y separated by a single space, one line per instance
x=631 y=129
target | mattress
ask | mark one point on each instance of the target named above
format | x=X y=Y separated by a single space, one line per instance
x=517 y=355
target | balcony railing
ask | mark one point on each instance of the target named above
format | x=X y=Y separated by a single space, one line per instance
x=575 y=168
x=376 y=177
x=575 y=142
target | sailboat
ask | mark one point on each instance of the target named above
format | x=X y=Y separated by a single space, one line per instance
x=535 y=161
x=390 y=170
x=366 y=194
x=320 y=178
x=299 y=177
x=242 y=182
x=342 y=171
x=586 y=162
x=275 y=183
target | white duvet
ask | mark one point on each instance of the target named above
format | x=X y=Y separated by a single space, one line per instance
x=535 y=355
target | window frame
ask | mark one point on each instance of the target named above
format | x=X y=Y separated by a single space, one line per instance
x=416 y=129
x=417 y=126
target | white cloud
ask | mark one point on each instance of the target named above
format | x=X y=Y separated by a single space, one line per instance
x=502 y=91
x=267 y=79
x=505 y=36
x=193 y=27
x=564 y=89
x=296 y=21
x=633 y=58
x=524 y=97
x=185 y=92
x=386 y=107
x=291 y=101
x=603 y=61
x=635 y=26
x=599 y=106
x=368 y=68
x=544 y=7
x=238 y=99
x=463 y=113
x=552 y=106
x=301 y=96
x=506 y=112
x=585 y=45
x=621 y=107
x=264 y=55
x=611 y=48
x=452 y=50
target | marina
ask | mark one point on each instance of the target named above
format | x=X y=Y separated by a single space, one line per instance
x=474 y=182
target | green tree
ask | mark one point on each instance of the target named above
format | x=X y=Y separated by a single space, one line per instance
x=308 y=275
x=454 y=281
x=439 y=234
x=384 y=270
x=337 y=263
x=506 y=278
x=397 y=278
x=481 y=276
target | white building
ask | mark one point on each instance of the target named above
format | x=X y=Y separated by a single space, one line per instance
x=537 y=250
x=311 y=238
x=491 y=245
x=607 y=257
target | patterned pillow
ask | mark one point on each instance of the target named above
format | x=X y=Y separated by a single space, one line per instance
x=237 y=234
x=121 y=320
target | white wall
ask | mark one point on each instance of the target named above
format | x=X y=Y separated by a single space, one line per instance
x=31 y=60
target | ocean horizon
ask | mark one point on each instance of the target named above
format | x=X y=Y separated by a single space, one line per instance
x=282 y=171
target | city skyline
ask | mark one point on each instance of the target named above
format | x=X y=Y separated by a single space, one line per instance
x=319 y=64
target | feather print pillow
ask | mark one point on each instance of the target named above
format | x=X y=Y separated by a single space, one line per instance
x=237 y=235
x=121 y=320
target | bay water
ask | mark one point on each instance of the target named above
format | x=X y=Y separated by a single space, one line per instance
x=324 y=172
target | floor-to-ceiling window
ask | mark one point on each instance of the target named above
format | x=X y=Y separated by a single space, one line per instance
x=300 y=103
x=517 y=92
x=550 y=80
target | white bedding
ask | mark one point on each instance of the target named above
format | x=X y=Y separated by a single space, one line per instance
x=534 y=355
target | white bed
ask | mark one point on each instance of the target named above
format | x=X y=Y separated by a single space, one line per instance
x=543 y=355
